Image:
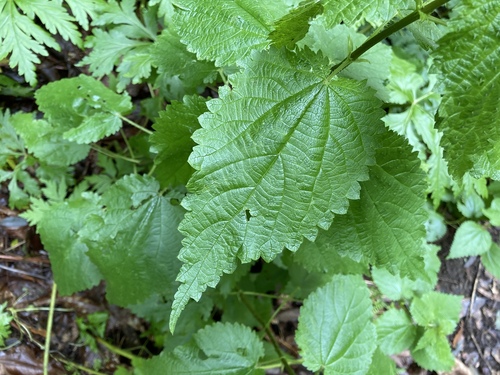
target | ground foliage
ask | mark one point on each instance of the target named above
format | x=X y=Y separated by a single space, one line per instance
x=315 y=136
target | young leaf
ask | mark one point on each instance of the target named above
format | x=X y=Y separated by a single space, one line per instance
x=491 y=260
x=172 y=139
x=226 y=32
x=395 y=331
x=470 y=239
x=335 y=332
x=301 y=141
x=436 y=309
x=438 y=314
x=433 y=351
x=82 y=108
x=58 y=225
x=467 y=59
x=218 y=349
x=134 y=240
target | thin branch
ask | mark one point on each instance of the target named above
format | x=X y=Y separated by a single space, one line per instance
x=134 y=124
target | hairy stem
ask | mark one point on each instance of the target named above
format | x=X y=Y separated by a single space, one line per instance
x=269 y=333
x=385 y=33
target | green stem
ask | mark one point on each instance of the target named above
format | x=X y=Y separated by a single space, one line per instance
x=131 y=152
x=117 y=350
x=79 y=367
x=274 y=364
x=264 y=295
x=134 y=124
x=269 y=333
x=113 y=154
x=46 y=349
x=378 y=37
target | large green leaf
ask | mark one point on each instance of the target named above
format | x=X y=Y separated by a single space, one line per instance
x=82 y=108
x=467 y=59
x=219 y=349
x=226 y=31
x=335 y=332
x=134 y=240
x=278 y=155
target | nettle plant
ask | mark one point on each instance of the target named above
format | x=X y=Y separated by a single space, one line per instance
x=308 y=175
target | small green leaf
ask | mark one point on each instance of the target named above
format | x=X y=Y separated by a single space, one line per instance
x=335 y=332
x=433 y=351
x=491 y=260
x=493 y=212
x=219 y=349
x=470 y=239
x=395 y=331
x=436 y=309
x=82 y=108
x=172 y=139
